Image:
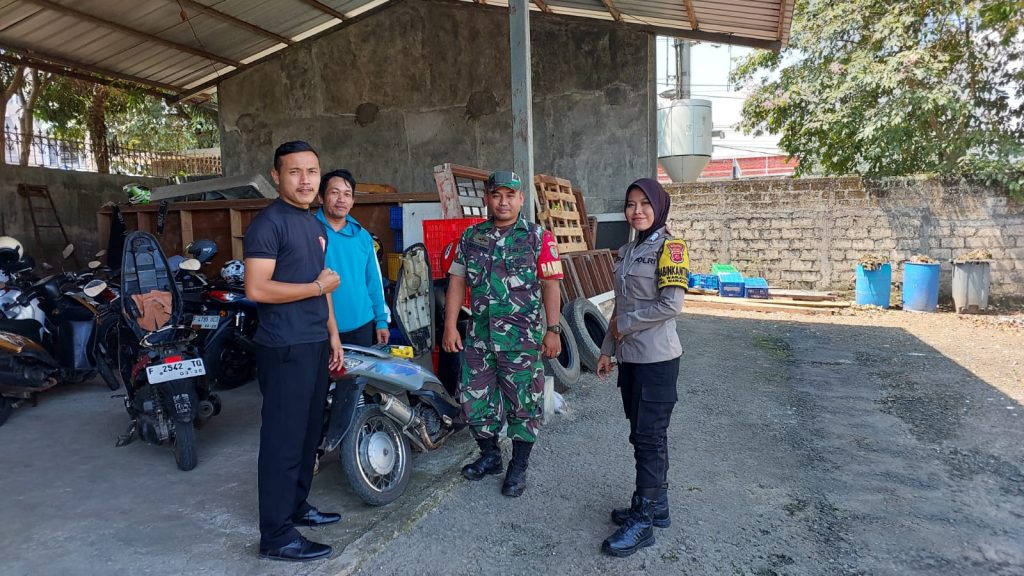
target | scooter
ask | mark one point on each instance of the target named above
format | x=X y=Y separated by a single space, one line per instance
x=166 y=394
x=47 y=336
x=380 y=406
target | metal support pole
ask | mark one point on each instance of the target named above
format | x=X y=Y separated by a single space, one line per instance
x=522 y=99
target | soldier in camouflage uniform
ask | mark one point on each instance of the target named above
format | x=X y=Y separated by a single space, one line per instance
x=512 y=269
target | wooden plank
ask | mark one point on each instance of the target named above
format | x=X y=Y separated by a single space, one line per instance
x=779 y=302
x=747 y=305
x=375 y=188
x=186 y=227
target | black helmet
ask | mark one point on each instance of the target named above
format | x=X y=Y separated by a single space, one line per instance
x=202 y=250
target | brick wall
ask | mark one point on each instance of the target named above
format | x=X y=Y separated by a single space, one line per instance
x=809 y=232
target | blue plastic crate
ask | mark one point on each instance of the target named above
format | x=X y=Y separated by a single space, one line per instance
x=708 y=282
x=731 y=284
x=756 y=288
x=396 y=217
x=693 y=281
x=399 y=244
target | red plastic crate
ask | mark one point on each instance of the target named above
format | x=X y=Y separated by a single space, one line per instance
x=438 y=233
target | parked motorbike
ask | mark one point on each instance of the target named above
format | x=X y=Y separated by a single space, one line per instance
x=224 y=317
x=166 y=394
x=47 y=334
x=380 y=407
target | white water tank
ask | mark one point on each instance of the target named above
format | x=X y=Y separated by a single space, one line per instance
x=684 y=138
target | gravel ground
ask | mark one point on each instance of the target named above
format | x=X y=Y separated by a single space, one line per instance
x=863 y=443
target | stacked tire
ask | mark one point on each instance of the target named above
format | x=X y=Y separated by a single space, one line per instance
x=583 y=331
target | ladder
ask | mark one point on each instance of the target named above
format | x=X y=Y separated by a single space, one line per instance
x=40 y=203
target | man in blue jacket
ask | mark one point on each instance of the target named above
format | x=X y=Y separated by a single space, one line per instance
x=359 y=301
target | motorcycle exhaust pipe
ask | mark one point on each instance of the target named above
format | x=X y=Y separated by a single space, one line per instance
x=401 y=413
x=206 y=409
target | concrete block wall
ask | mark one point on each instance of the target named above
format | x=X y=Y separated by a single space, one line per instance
x=425 y=82
x=76 y=195
x=809 y=232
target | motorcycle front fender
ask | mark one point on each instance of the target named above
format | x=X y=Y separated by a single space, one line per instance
x=343 y=403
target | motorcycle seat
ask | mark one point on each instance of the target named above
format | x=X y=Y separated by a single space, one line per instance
x=27 y=328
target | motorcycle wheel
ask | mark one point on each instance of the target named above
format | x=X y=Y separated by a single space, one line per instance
x=375 y=457
x=6 y=407
x=237 y=367
x=185 y=446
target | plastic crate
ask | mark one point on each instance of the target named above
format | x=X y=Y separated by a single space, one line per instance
x=717 y=269
x=708 y=282
x=756 y=288
x=693 y=281
x=399 y=243
x=396 y=217
x=394 y=265
x=438 y=233
x=731 y=284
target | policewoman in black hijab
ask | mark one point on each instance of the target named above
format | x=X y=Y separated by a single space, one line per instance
x=650 y=280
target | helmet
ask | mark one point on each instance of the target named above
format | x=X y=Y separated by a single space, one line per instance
x=137 y=193
x=202 y=250
x=503 y=179
x=376 y=245
x=233 y=271
x=10 y=251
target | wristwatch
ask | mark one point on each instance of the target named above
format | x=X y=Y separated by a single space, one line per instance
x=557 y=329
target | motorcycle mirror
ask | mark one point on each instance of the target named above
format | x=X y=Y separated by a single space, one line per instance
x=94 y=288
x=190 y=264
x=94 y=264
x=68 y=251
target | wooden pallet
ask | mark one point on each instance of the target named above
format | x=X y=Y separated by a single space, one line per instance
x=587 y=274
x=557 y=211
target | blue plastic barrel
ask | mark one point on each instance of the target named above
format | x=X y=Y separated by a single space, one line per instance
x=920 y=286
x=872 y=288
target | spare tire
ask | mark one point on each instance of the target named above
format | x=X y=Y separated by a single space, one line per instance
x=588 y=327
x=566 y=366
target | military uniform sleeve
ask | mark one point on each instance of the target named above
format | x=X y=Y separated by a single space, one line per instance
x=549 y=265
x=458 y=267
x=673 y=264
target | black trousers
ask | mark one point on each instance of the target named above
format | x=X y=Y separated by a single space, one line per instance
x=362 y=336
x=648 y=397
x=294 y=381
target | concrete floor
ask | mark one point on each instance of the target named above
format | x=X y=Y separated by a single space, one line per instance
x=73 y=504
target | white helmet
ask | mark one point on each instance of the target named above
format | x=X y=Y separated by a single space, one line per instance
x=10 y=250
x=233 y=271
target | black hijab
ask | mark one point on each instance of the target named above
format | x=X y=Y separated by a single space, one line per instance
x=659 y=200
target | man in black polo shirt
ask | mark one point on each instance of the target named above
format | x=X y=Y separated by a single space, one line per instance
x=298 y=339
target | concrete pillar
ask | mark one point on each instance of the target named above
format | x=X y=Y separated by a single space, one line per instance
x=522 y=99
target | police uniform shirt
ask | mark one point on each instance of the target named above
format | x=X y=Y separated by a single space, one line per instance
x=650 y=281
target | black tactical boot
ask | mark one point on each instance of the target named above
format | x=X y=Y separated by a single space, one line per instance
x=489 y=461
x=660 y=518
x=515 y=478
x=636 y=532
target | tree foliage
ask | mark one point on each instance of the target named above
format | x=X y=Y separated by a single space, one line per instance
x=883 y=87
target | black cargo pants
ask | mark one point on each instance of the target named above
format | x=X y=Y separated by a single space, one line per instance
x=648 y=397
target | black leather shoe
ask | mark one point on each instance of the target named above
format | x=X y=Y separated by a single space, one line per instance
x=659 y=518
x=298 y=550
x=515 y=480
x=487 y=463
x=636 y=533
x=314 y=517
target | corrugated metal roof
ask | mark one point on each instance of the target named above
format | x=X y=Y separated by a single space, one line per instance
x=180 y=46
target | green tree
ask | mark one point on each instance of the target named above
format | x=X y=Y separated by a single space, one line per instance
x=884 y=87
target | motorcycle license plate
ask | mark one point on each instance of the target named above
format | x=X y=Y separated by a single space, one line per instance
x=205 y=322
x=175 y=370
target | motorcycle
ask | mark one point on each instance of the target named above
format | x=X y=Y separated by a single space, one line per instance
x=380 y=406
x=47 y=335
x=166 y=393
x=225 y=319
